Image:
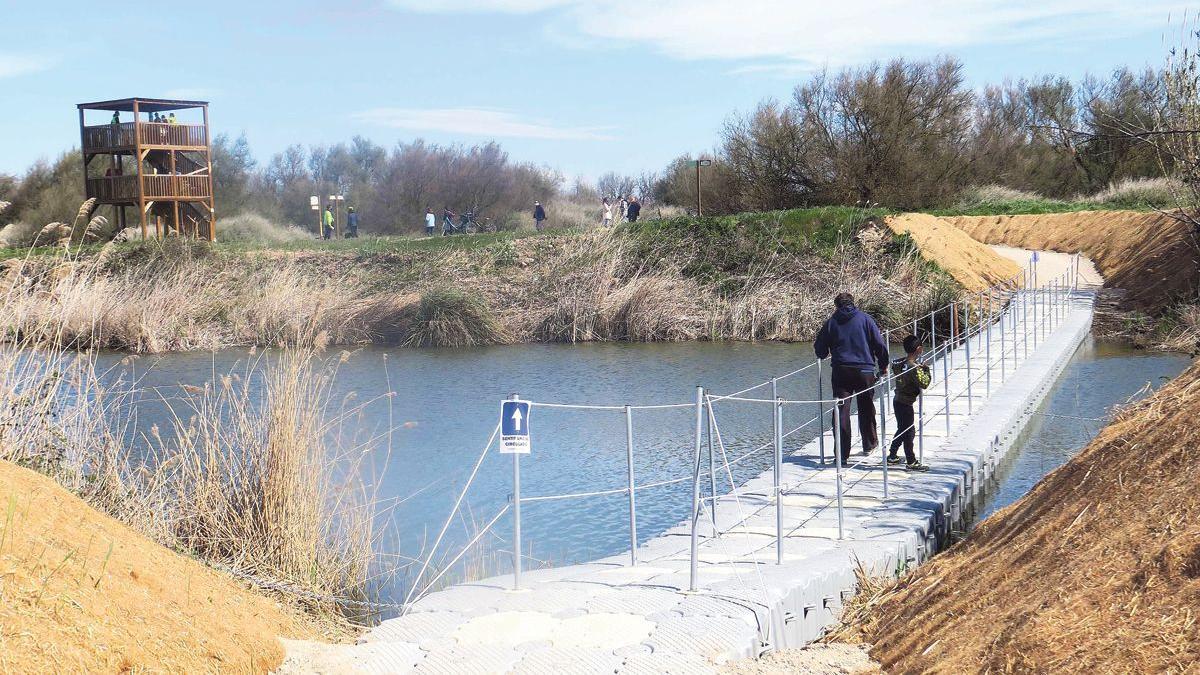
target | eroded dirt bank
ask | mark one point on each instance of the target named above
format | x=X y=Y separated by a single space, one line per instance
x=1150 y=255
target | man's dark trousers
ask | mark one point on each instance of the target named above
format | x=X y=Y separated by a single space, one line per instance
x=848 y=380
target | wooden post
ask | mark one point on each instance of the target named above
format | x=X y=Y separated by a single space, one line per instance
x=212 y=210
x=174 y=183
x=83 y=151
x=137 y=149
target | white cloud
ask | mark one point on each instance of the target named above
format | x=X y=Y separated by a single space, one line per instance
x=12 y=65
x=477 y=122
x=816 y=32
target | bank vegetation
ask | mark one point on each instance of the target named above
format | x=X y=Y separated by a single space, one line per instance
x=753 y=277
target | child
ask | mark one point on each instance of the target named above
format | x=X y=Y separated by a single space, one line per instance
x=911 y=378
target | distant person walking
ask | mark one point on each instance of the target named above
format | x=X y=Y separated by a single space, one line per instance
x=327 y=220
x=633 y=210
x=351 y=223
x=852 y=338
x=430 y=221
x=539 y=216
x=912 y=377
x=606 y=218
x=447 y=221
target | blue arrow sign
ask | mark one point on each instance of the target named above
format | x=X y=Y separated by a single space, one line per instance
x=514 y=427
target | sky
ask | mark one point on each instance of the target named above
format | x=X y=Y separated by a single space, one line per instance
x=581 y=86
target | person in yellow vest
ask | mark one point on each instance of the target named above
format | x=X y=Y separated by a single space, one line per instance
x=328 y=220
x=171 y=119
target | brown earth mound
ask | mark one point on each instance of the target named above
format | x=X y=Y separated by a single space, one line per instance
x=972 y=264
x=1097 y=569
x=81 y=592
x=1149 y=254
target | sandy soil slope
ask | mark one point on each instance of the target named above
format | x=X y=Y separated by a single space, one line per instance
x=81 y=592
x=1149 y=254
x=971 y=263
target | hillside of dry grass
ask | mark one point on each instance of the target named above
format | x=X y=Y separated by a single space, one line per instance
x=84 y=593
x=1096 y=570
x=714 y=279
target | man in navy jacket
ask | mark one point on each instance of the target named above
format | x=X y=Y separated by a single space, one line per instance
x=859 y=352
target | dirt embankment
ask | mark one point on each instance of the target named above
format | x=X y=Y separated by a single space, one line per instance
x=80 y=592
x=1150 y=255
x=972 y=264
x=1097 y=569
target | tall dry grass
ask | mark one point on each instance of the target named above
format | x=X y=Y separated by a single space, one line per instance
x=595 y=284
x=252 y=477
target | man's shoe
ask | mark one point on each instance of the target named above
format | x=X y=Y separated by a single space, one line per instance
x=894 y=460
x=916 y=466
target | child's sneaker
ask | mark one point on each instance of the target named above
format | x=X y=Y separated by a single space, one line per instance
x=893 y=460
x=916 y=466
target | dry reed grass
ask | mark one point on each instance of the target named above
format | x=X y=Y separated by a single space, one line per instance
x=592 y=285
x=251 y=478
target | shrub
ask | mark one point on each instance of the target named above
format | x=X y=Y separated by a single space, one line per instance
x=252 y=228
x=1137 y=193
x=440 y=318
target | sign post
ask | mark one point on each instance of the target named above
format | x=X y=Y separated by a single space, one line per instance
x=514 y=440
x=699 y=163
x=314 y=202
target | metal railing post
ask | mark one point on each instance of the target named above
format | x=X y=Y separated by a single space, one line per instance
x=516 y=505
x=987 y=354
x=1037 y=324
x=921 y=426
x=883 y=448
x=970 y=401
x=696 y=485
x=1004 y=310
x=837 y=458
x=821 y=411
x=933 y=333
x=946 y=386
x=712 y=474
x=631 y=487
x=953 y=332
x=778 y=478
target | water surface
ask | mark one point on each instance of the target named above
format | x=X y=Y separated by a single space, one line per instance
x=424 y=440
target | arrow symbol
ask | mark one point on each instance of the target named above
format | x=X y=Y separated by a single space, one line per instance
x=516 y=417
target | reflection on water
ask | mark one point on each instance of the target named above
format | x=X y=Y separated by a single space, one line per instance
x=428 y=436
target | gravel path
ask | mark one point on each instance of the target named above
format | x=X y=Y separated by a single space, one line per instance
x=815 y=659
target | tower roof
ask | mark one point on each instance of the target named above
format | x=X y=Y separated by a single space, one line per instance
x=144 y=104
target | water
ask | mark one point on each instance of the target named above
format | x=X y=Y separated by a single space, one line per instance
x=446 y=404
x=1100 y=375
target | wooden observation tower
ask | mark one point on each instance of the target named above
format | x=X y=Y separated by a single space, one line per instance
x=164 y=168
